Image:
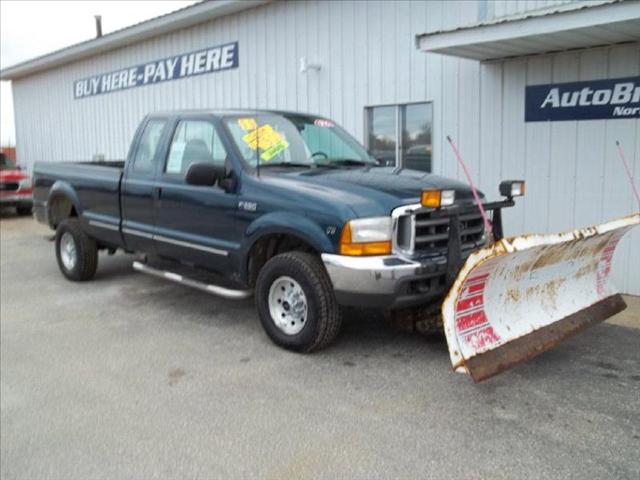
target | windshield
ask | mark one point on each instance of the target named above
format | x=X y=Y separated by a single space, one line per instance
x=294 y=140
x=6 y=163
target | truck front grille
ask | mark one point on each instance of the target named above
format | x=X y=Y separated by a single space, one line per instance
x=9 y=186
x=419 y=232
x=433 y=233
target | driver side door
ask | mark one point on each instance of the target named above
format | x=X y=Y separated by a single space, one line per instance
x=194 y=224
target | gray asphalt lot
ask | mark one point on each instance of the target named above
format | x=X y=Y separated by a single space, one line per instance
x=131 y=377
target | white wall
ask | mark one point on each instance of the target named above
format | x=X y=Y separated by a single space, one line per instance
x=574 y=175
x=503 y=8
x=368 y=57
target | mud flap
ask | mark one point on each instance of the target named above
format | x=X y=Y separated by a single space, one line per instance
x=523 y=295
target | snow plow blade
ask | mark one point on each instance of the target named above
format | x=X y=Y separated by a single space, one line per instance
x=522 y=296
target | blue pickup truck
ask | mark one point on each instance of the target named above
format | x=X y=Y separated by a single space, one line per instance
x=284 y=206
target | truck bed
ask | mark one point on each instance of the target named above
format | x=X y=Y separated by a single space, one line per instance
x=96 y=185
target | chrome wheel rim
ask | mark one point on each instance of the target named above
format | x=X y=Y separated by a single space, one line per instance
x=287 y=305
x=68 y=253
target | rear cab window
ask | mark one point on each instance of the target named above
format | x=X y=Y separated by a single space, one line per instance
x=145 y=155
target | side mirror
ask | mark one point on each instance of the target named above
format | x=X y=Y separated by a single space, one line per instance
x=205 y=174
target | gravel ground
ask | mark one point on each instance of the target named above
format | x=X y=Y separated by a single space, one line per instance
x=131 y=377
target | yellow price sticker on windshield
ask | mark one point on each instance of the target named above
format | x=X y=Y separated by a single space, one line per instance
x=271 y=142
x=275 y=150
x=247 y=123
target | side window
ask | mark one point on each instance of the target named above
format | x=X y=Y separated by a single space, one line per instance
x=148 y=146
x=382 y=136
x=194 y=141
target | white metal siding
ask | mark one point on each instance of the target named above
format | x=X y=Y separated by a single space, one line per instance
x=574 y=175
x=500 y=8
x=368 y=57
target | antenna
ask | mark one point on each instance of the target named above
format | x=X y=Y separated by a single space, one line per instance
x=257 y=150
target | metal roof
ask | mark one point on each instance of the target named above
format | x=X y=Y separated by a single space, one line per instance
x=182 y=18
x=570 y=26
x=231 y=112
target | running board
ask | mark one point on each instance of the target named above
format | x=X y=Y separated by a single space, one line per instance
x=174 y=277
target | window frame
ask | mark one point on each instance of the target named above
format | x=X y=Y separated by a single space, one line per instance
x=400 y=161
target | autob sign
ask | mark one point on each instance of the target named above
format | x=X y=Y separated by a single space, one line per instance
x=208 y=60
x=590 y=100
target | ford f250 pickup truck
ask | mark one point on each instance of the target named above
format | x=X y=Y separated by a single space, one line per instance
x=292 y=209
x=285 y=205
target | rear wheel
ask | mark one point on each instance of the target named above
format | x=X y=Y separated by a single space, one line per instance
x=76 y=252
x=295 y=302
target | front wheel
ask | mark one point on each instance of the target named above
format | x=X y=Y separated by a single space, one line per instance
x=296 y=303
x=76 y=252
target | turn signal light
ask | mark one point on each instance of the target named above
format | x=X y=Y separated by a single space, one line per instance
x=437 y=198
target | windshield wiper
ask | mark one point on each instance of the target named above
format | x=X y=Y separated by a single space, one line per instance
x=349 y=162
x=287 y=164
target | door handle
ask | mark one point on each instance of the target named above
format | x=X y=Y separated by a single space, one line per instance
x=157 y=193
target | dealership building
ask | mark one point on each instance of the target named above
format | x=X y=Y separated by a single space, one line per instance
x=534 y=90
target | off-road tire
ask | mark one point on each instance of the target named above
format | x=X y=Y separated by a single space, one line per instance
x=324 y=316
x=86 y=251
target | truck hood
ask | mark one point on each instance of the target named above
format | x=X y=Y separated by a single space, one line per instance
x=371 y=191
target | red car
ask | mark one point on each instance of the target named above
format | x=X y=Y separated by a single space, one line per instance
x=15 y=187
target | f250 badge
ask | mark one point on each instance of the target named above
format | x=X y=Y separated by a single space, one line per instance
x=247 y=206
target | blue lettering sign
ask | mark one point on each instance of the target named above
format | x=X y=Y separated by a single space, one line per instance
x=208 y=60
x=590 y=100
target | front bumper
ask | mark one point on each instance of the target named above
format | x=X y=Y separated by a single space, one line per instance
x=11 y=199
x=406 y=279
x=389 y=282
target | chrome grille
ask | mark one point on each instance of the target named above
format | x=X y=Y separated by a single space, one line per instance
x=9 y=186
x=433 y=233
x=417 y=231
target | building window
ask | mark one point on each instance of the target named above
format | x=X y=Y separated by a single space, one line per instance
x=400 y=135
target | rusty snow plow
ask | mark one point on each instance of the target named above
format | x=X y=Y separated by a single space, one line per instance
x=523 y=295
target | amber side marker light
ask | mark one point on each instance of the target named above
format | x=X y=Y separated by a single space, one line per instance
x=437 y=198
x=369 y=236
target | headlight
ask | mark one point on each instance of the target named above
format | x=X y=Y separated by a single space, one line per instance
x=366 y=236
x=512 y=188
x=24 y=183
